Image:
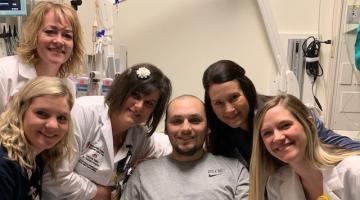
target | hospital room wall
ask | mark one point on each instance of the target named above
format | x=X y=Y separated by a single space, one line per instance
x=183 y=37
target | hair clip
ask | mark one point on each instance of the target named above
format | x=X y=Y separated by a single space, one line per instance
x=143 y=73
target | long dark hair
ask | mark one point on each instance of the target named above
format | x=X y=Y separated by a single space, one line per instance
x=224 y=139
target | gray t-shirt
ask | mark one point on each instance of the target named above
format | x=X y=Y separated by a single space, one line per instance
x=211 y=177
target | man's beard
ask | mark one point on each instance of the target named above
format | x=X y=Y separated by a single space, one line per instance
x=188 y=152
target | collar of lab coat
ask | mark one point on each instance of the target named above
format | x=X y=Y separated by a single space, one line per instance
x=291 y=188
x=106 y=131
x=27 y=71
x=332 y=183
x=130 y=139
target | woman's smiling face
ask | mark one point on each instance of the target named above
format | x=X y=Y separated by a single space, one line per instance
x=230 y=104
x=283 y=135
x=46 y=121
x=55 y=40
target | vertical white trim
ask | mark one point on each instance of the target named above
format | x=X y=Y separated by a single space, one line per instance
x=273 y=35
x=337 y=42
x=287 y=81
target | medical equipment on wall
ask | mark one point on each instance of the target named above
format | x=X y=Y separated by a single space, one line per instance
x=13 y=8
x=291 y=78
x=296 y=60
x=75 y=3
x=286 y=80
x=311 y=49
x=8 y=40
x=103 y=64
x=10 y=24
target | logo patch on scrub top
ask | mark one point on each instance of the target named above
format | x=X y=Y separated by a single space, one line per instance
x=92 y=158
x=215 y=172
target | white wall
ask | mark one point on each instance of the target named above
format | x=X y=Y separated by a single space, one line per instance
x=183 y=37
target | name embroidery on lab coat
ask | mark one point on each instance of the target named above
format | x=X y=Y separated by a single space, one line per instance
x=91 y=159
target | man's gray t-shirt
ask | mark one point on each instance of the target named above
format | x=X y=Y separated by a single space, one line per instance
x=211 y=177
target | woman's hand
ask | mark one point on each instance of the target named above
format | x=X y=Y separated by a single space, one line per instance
x=103 y=192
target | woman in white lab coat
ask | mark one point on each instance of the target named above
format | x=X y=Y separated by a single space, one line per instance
x=289 y=162
x=51 y=44
x=108 y=130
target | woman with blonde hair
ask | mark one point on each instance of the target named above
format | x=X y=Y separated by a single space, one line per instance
x=289 y=161
x=51 y=44
x=35 y=133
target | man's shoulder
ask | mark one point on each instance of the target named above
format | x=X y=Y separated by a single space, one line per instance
x=151 y=167
x=153 y=162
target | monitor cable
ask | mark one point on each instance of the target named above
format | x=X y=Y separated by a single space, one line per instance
x=311 y=49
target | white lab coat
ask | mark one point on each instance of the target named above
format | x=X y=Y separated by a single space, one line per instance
x=94 y=160
x=14 y=74
x=341 y=182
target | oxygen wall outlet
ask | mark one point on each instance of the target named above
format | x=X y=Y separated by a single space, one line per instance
x=353 y=14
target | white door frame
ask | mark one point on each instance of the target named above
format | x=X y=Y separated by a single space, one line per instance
x=337 y=42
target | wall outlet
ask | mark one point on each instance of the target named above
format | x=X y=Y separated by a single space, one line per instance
x=353 y=14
